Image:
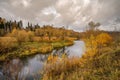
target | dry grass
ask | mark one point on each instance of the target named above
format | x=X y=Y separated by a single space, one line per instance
x=36 y=39
x=7 y=43
x=57 y=66
x=100 y=67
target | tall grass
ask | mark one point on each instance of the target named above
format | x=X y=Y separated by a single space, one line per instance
x=100 y=67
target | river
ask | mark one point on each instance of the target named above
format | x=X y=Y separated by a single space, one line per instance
x=30 y=68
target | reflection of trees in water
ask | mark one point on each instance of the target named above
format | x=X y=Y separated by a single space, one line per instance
x=56 y=52
x=42 y=58
x=11 y=69
x=60 y=52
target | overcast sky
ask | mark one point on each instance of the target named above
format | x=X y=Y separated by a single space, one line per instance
x=73 y=13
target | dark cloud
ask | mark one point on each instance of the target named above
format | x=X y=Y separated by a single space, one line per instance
x=73 y=13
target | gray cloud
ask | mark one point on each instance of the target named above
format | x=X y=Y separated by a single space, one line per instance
x=73 y=13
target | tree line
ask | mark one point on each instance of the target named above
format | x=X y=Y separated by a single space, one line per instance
x=8 y=26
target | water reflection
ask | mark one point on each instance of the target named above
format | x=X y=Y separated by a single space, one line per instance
x=76 y=50
x=11 y=69
x=30 y=67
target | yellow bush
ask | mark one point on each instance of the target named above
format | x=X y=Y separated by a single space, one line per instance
x=94 y=43
x=22 y=35
x=30 y=35
x=103 y=39
x=14 y=33
x=7 y=43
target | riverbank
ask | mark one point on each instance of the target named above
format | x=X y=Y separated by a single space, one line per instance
x=105 y=66
x=32 y=48
x=97 y=63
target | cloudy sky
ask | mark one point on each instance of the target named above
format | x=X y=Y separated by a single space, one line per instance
x=73 y=13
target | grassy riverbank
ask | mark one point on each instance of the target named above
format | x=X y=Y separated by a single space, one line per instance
x=31 y=48
x=100 y=67
x=101 y=61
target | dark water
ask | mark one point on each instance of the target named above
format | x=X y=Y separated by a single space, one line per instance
x=31 y=67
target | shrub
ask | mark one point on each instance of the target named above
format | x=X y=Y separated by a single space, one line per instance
x=22 y=35
x=96 y=43
x=30 y=35
x=7 y=43
x=103 y=39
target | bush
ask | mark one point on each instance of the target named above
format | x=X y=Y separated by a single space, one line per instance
x=103 y=39
x=7 y=44
x=96 y=43
x=30 y=35
x=22 y=35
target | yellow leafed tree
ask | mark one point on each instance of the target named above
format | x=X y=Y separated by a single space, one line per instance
x=94 y=43
x=104 y=39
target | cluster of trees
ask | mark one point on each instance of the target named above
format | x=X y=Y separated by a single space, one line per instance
x=95 y=39
x=46 y=33
x=50 y=32
x=46 y=30
x=21 y=35
x=96 y=43
x=8 y=26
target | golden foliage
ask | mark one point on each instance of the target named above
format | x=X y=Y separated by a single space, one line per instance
x=103 y=39
x=22 y=35
x=95 y=43
x=30 y=35
x=7 y=43
x=36 y=39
